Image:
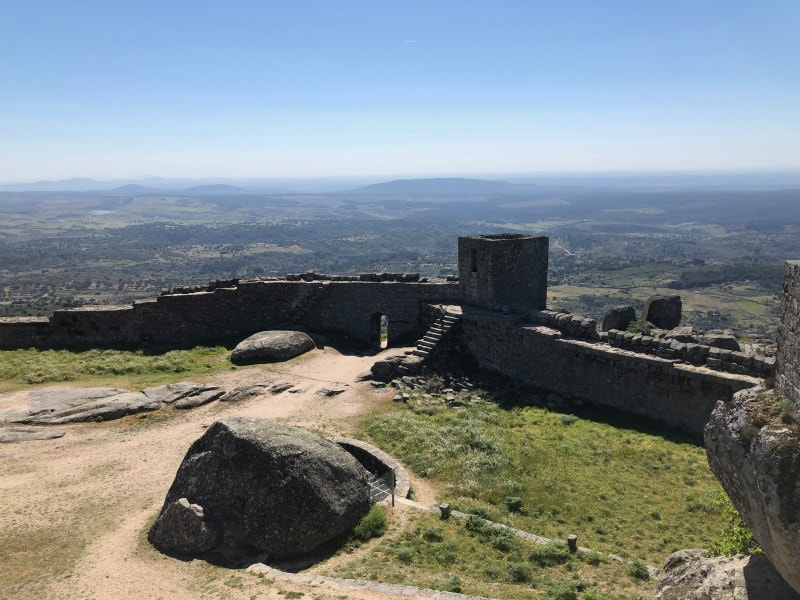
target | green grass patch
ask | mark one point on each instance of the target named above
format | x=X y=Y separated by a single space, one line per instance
x=372 y=525
x=19 y=368
x=454 y=556
x=637 y=494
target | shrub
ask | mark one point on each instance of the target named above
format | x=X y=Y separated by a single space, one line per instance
x=513 y=504
x=640 y=327
x=432 y=534
x=736 y=537
x=565 y=590
x=519 y=572
x=475 y=524
x=480 y=512
x=453 y=585
x=550 y=555
x=591 y=558
x=444 y=553
x=405 y=554
x=746 y=435
x=638 y=571
x=501 y=539
x=372 y=525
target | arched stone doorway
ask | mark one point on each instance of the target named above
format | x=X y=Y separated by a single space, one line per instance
x=379 y=330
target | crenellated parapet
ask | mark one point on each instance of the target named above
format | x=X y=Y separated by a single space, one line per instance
x=698 y=355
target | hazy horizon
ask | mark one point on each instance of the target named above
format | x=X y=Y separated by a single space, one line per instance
x=388 y=90
x=643 y=180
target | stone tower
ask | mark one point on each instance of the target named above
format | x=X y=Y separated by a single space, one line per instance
x=505 y=268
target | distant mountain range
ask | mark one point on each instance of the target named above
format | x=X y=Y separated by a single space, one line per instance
x=446 y=187
x=133 y=189
x=423 y=187
x=197 y=187
x=141 y=187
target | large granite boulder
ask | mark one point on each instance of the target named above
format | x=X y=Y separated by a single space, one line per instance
x=663 y=311
x=619 y=317
x=272 y=346
x=689 y=575
x=60 y=405
x=753 y=447
x=251 y=487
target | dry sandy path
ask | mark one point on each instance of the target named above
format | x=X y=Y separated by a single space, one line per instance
x=75 y=510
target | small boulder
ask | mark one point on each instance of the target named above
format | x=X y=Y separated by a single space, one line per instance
x=663 y=311
x=721 y=338
x=685 y=335
x=619 y=317
x=272 y=346
x=270 y=489
x=388 y=368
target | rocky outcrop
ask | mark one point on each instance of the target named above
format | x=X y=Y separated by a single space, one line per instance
x=13 y=435
x=199 y=399
x=59 y=405
x=663 y=311
x=753 y=447
x=689 y=575
x=269 y=489
x=272 y=346
x=330 y=390
x=619 y=317
x=246 y=392
x=173 y=392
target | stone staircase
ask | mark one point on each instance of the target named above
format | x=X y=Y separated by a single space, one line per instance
x=434 y=335
x=299 y=307
x=412 y=362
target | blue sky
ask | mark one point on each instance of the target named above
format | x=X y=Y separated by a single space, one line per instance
x=126 y=88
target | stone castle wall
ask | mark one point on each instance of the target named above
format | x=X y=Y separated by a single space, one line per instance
x=788 y=359
x=682 y=396
x=238 y=311
x=698 y=355
x=505 y=327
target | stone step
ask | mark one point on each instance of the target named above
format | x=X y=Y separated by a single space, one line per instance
x=423 y=345
x=432 y=336
x=421 y=353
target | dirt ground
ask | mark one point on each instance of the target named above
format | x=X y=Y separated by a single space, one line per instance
x=75 y=510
